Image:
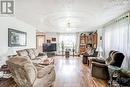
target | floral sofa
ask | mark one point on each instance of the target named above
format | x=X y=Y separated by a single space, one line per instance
x=34 y=55
x=26 y=74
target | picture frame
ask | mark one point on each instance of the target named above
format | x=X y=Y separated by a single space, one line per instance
x=48 y=41
x=53 y=39
x=16 y=38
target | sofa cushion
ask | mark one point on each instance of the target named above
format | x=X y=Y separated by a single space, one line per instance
x=125 y=73
x=36 y=53
x=109 y=59
x=31 y=53
x=31 y=72
x=42 y=58
x=22 y=53
x=44 y=71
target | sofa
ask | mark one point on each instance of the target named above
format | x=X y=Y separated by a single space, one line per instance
x=100 y=67
x=26 y=74
x=34 y=55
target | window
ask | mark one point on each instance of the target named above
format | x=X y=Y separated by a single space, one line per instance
x=116 y=38
x=67 y=41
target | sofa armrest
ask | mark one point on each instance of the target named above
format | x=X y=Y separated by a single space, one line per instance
x=98 y=60
x=99 y=70
x=44 y=71
x=125 y=73
x=99 y=64
x=41 y=54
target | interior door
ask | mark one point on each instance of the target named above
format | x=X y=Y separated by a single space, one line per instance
x=40 y=39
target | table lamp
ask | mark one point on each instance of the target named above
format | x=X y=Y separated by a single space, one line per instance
x=100 y=50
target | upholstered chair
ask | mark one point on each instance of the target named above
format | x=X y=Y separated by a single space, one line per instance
x=26 y=74
x=100 y=67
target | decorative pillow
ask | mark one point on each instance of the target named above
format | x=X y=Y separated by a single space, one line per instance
x=31 y=53
x=45 y=71
x=31 y=72
x=35 y=52
x=22 y=53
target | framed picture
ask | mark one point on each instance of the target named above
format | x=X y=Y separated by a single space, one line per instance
x=48 y=41
x=16 y=38
x=53 y=39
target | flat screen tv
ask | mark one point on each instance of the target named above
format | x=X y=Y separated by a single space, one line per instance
x=49 y=47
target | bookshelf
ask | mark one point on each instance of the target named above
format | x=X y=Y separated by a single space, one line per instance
x=87 y=38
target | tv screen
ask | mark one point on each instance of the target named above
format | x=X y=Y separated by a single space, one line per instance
x=48 y=47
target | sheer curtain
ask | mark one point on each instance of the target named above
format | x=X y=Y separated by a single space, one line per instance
x=69 y=41
x=77 y=42
x=116 y=38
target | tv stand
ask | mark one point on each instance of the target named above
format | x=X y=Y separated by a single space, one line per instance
x=50 y=54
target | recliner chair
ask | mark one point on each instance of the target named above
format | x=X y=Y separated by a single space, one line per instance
x=100 y=67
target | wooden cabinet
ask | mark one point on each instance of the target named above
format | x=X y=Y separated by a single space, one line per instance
x=83 y=41
x=87 y=38
x=94 y=39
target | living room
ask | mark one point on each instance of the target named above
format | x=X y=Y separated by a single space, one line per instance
x=68 y=43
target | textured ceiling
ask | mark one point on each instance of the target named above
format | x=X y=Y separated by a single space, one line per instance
x=69 y=15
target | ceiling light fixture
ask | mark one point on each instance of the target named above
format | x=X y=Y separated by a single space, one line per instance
x=68 y=25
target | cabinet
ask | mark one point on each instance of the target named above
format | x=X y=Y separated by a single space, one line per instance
x=89 y=38
x=83 y=42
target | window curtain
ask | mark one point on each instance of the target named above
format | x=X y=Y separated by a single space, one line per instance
x=68 y=40
x=115 y=37
x=77 y=42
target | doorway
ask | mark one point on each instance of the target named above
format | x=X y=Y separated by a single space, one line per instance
x=40 y=39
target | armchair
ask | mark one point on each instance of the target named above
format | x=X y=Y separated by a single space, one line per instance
x=26 y=74
x=100 y=67
x=86 y=55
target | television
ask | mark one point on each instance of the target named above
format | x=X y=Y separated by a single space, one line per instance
x=49 y=47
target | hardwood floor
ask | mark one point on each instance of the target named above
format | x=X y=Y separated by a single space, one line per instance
x=72 y=73
x=69 y=73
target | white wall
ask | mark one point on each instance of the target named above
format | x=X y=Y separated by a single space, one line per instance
x=50 y=35
x=12 y=22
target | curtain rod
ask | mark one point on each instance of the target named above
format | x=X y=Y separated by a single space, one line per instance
x=126 y=15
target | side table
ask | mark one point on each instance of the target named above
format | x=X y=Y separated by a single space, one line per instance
x=67 y=54
x=5 y=70
x=112 y=70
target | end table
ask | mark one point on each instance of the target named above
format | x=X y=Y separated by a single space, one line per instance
x=5 y=70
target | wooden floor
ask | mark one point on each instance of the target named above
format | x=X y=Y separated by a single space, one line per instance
x=72 y=73
x=69 y=73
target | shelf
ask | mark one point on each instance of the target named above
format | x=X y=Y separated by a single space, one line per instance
x=87 y=38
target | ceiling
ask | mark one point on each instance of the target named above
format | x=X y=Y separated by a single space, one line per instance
x=69 y=15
